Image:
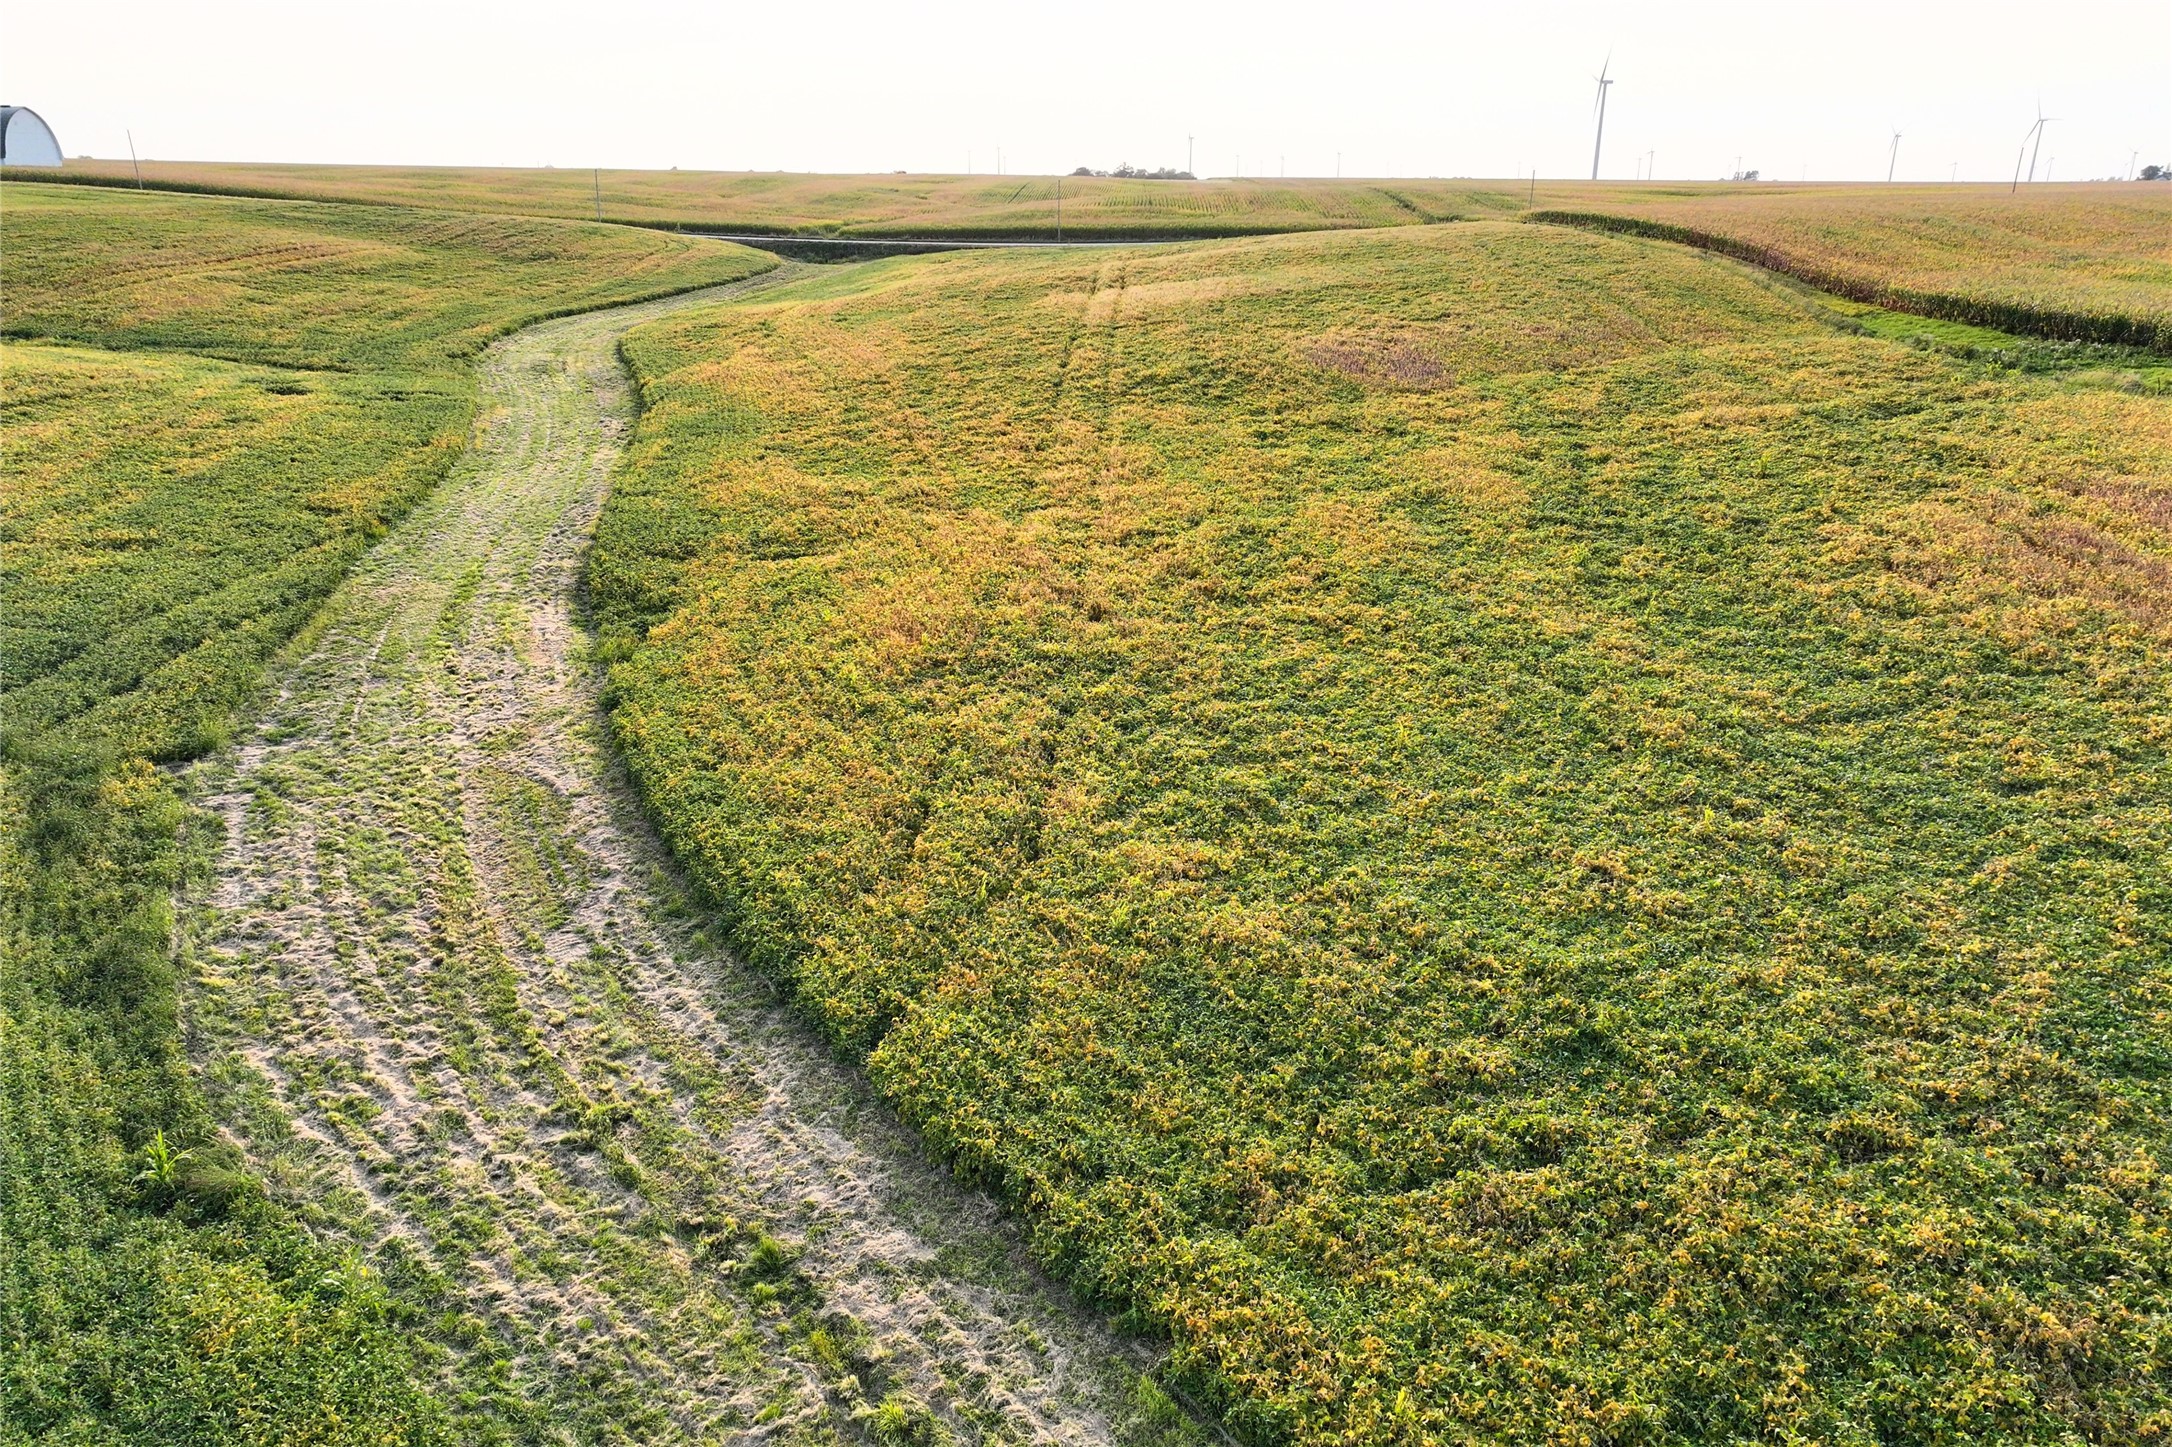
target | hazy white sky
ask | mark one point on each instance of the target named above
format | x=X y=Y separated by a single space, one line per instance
x=1408 y=89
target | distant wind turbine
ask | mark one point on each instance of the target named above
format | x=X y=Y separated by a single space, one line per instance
x=2034 y=133
x=2042 y=121
x=1894 y=159
x=1600 y=110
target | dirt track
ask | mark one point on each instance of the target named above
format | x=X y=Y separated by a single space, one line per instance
x=450 y=1001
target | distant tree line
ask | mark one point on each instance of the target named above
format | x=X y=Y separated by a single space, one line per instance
x=1139 y=173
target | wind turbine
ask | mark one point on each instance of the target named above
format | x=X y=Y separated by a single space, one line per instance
x=2042 y=120
x=1599 y=109
x=2035 y=133
x=1894 y=159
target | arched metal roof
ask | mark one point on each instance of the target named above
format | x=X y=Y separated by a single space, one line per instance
x=25 y=138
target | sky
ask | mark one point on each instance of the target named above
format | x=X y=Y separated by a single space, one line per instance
x=1363 y=88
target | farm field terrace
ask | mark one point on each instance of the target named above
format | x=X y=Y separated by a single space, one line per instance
x=1504 y=831
x=213 y=405
x=2086 y=262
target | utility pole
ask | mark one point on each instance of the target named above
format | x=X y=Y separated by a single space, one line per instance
x=132 y=161
x=596 y=176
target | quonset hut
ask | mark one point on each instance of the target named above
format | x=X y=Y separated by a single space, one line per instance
x=25 y=138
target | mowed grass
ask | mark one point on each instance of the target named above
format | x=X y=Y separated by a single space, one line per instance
x=2088 y=262
x=1504 y=833
x=212 y=407
x=878 y=205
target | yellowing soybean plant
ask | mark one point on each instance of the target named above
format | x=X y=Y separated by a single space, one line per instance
x=1514 y=835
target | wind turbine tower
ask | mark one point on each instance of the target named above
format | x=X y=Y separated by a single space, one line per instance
x=1600 y=139
x=1892 y=160
x=2042 y=120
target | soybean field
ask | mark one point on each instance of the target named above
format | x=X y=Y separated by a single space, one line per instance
x=1515 y=835
x=1424 y=812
